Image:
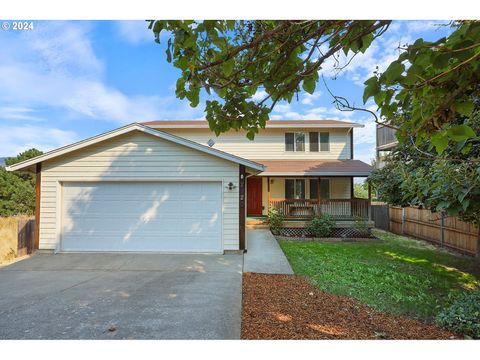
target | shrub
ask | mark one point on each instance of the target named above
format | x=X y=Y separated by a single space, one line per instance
x=361 y=226
x=321 y=225
x=275 y=220
x=463 y=316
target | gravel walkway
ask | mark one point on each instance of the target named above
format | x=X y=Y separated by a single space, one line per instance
x=288 y=307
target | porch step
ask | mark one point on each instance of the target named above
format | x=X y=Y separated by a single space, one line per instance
x=256 y=221
x=258 y=226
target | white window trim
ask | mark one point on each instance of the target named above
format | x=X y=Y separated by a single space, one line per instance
x=320 y=143
x=305 y=142
x=295 y=141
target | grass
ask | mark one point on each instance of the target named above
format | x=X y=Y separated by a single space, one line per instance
x=397 y=275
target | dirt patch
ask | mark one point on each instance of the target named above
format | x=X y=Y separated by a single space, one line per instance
x=288 y=307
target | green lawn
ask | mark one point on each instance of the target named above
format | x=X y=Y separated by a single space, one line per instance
x=396 y=275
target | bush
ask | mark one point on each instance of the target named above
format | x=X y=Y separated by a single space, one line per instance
x=321 y=225
x=361 y=226
x=275 y=220
x=463 y=316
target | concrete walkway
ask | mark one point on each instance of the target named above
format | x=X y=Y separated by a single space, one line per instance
x=264 y=255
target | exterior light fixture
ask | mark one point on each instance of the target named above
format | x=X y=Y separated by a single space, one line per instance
x=230 y=186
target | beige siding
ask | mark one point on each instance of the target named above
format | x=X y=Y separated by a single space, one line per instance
x=339 y=189
x=269 y=144
x=136 y=156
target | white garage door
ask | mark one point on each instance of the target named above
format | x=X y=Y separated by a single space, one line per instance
x=146 y=216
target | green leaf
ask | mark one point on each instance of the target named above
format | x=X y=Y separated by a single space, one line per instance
x=461 y=132
x=250 y=135
x=168 y=51
x=440 y=141
x=394 y=71
x=309 y=85
x=440 y=60
x=465 y=108
x=228 y=66
x=371 y=89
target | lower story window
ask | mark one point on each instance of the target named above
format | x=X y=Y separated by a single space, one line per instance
x=295 y=188
x=325 y=188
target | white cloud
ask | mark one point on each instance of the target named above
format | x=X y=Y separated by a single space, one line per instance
x=364 y=153
x=424 y=25
x=366 y=135
x=57 y=68
x=309 y=99
x=18 y=113
x=259 y=95
x=135 y=31
x=15 y=139
x=61 y=46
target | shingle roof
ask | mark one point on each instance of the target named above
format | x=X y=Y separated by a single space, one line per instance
x=315 y=167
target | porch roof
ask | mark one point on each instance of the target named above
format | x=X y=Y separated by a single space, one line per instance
x=315 y=168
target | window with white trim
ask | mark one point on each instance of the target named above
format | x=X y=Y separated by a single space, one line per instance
x=295 y=142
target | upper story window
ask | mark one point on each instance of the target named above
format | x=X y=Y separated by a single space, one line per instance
x=295 y=141
x=319 y=141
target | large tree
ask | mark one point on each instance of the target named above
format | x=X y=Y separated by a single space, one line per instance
x=431 y=95
x=428 y=94
x=17 y=189
x=233 y=60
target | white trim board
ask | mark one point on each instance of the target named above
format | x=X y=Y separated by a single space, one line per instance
x=127 y=129
x=293 y=174
x=269 y=126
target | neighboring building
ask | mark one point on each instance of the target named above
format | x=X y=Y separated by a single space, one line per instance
x=173 y=186
x=386 y=141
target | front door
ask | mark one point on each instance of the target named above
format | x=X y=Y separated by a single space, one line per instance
x=254 y=196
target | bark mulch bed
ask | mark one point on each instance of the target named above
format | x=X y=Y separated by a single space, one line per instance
x=288 y=307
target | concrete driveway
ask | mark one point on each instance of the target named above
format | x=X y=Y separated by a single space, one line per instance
x=121 y=296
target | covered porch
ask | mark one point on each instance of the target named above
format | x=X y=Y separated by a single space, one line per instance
x=300 y=191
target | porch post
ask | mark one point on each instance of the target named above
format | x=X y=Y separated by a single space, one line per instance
x=268 y=194
x=369 y=200
x=352 y=191
x=318 y=197
x=318 y=190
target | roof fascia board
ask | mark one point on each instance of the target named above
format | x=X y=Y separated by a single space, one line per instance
x=273 y=126
x=358 y=173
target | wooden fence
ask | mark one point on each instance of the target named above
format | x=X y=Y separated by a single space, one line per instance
x=26 y=237
x=16 y=237
x=379 y=215
x=445 y=231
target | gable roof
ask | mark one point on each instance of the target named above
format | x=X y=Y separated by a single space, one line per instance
x=127 y=129
x=279 y=124
x=315 y=168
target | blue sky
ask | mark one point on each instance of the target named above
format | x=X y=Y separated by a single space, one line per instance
x=64 y=81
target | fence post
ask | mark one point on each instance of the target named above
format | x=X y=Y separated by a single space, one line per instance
x=478 y=242
x=442 y=229
x=403 y=220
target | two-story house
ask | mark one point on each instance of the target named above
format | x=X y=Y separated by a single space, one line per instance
x=174 y=186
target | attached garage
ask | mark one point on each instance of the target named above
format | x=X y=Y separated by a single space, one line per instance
x=140 y=190
x=142 y=216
